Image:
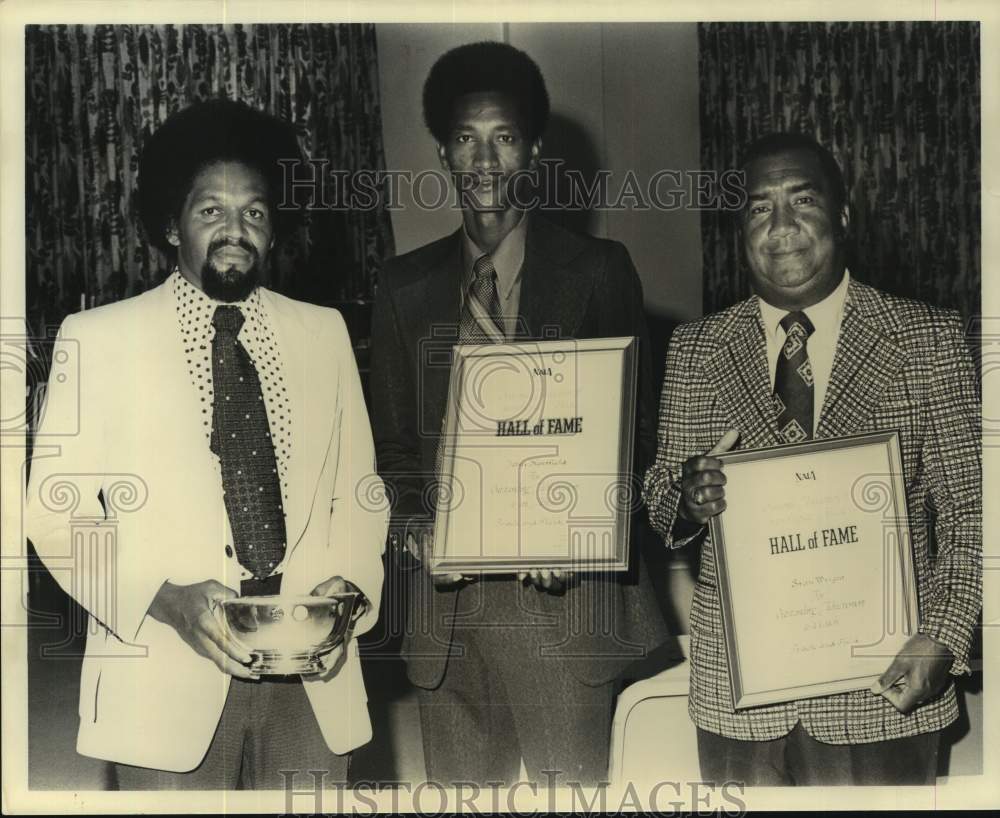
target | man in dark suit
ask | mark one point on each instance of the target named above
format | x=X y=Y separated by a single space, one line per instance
x=817 y=349
x=502 y=674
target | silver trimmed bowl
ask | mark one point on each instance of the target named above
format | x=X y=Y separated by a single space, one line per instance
x=289 y=634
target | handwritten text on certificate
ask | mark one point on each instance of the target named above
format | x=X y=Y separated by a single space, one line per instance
x=815 y=595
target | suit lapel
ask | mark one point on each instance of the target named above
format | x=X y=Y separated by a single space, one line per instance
x=431 y=308
x=554 y=293
x=311 y=400
x=866 y=360
x=181 y=411
x=174 y=421
x=742 y=384
x=437 y=297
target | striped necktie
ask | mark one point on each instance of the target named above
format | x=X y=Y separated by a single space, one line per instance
x=482 y=319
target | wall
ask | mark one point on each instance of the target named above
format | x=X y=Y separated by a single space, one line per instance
x=623 y=97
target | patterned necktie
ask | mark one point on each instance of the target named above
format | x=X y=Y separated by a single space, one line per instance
x=241 y=437
x=793 y=380
x=482 y=320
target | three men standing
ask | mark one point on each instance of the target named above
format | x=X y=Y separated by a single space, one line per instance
x=251 y=450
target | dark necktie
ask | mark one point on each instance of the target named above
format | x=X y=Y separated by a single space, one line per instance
x=482 y=320
x=241 y=437
x=793 y=381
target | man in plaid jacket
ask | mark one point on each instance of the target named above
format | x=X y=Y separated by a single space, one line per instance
x=875 y=362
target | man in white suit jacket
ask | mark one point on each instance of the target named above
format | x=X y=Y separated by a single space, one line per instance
x=163 y=693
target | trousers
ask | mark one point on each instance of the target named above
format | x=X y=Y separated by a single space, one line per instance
x=504 y=699
x=799 y=759
x=267 y=734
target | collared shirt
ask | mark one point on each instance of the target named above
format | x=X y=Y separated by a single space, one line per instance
x=826 y=317
x=508 y=258
x=194 y=317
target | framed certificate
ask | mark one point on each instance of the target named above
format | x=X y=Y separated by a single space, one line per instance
x=536 y=457
x=815 y=568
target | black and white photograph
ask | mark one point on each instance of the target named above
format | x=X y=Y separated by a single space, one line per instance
x=425 y=408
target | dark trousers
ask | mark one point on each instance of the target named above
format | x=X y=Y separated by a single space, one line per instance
x=267 y=726
x=799 y=759
x=503 y=701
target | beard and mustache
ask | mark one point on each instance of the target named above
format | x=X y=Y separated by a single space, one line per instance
x=230 y=284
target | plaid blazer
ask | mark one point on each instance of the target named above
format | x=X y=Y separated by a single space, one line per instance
x=899 y=364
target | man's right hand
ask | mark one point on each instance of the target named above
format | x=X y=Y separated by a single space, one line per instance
x=702 y=481
x=419 y=540
x=190 y=610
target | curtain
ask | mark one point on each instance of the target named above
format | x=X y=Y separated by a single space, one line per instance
x=95 y=93
x=896 y=103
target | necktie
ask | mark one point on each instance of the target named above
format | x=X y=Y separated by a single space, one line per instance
x=793 y=380
x=482 y=320
x=241 y=437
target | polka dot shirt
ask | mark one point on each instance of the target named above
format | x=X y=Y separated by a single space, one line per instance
x=194 y=316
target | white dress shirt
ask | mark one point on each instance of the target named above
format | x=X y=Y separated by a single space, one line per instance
x=826 y=317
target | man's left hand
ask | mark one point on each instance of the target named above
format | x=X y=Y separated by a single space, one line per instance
x=338 y=585
x=918 y=673
x=552 y=580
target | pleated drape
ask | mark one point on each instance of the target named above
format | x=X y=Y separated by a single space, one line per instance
x=95 y=93
x=897 y=103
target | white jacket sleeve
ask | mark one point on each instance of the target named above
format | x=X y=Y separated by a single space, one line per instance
x=359 y=508
x=64 y=516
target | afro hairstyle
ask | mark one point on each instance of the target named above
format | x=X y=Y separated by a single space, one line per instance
x=485 y=66
x=199 y=135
